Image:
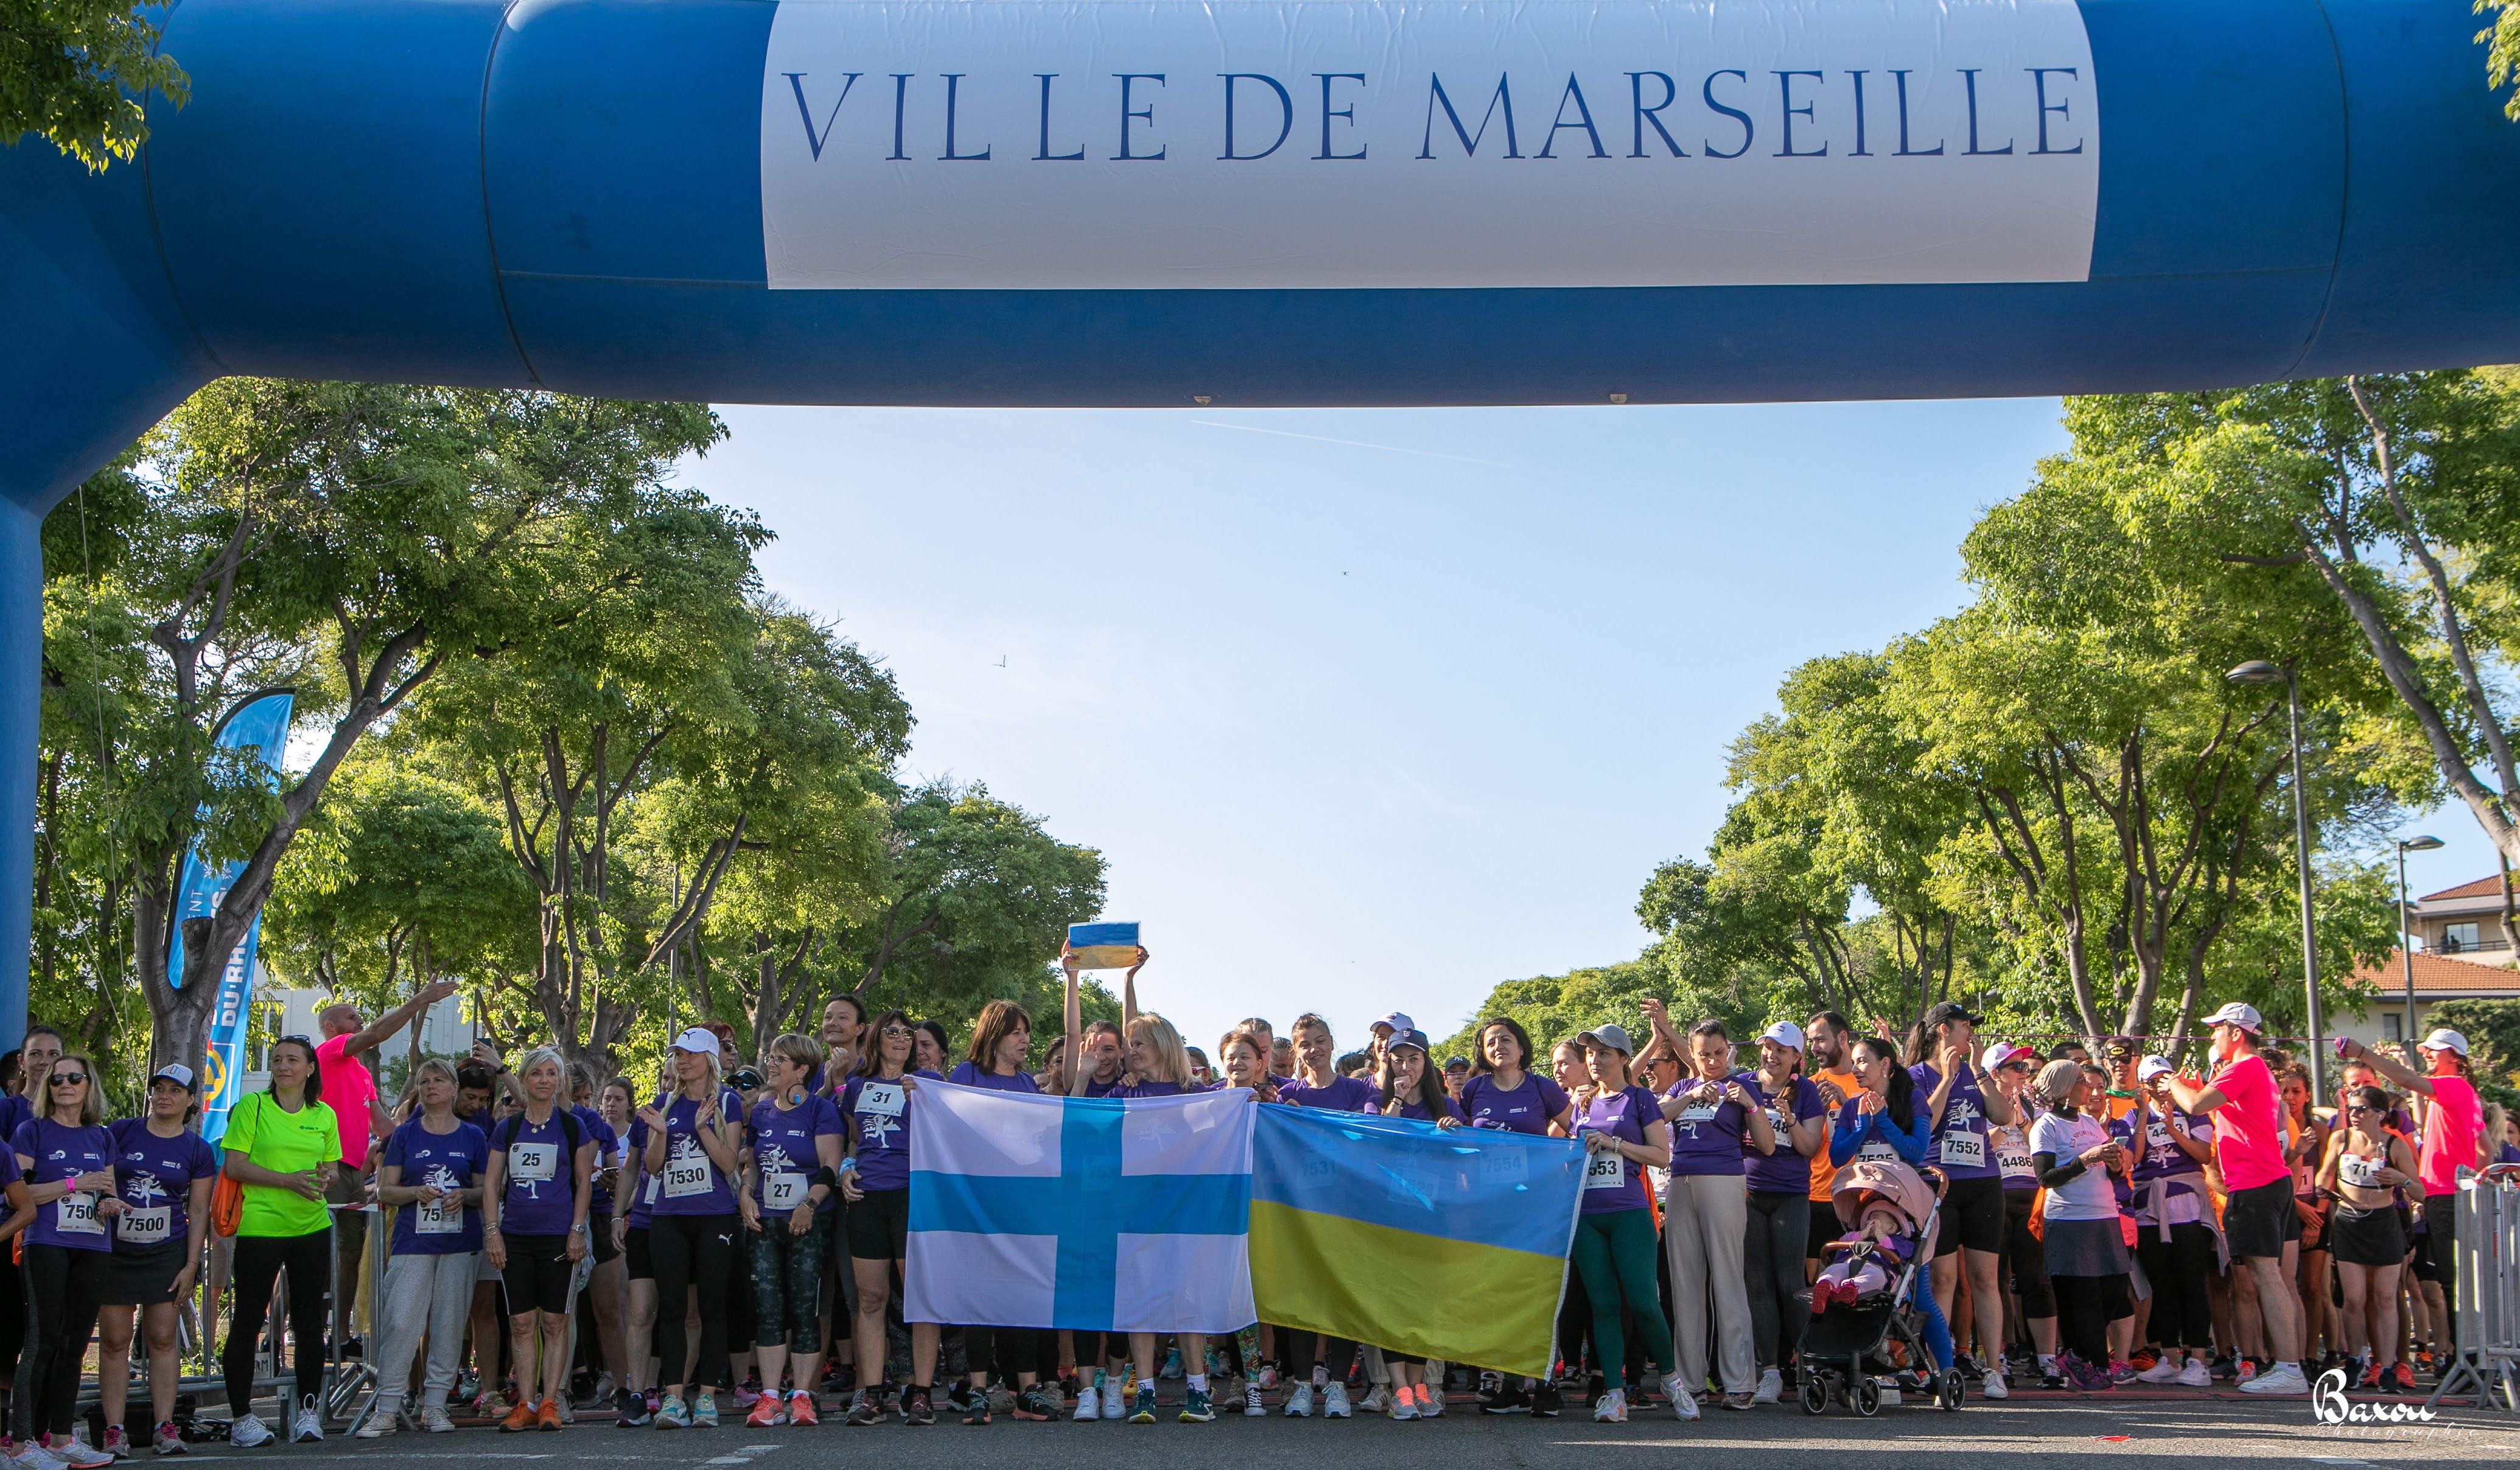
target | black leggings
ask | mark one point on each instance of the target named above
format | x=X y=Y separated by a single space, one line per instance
x=63 y=1287
x=693 y=1251
x=2027 y=1257
x=1298 y=1347
x=1011 y=1350
x=787 y=1283
x=259 y=1260
x=2085 y=1308
x=2178 y=1267
x=1771 y=1258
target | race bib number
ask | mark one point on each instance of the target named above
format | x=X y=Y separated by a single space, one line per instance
x=533 y=1162
x=439 y=1217
x=1504 y=1166
x=149 y=1226
x=1965 y=1150
x=1875 y=1148
x=884 y=1100
x=1604 y=1171
x=784 y=1191
x=2358 y=1171
x=690 y=1177
x=2156 y=1134
x=1778 y=1123
x=77 y=1216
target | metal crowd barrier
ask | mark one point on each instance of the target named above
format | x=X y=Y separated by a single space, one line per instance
x=2487 y=1272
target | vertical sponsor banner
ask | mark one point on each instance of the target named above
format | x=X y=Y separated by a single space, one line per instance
x=259 y=721
x=1310 y=145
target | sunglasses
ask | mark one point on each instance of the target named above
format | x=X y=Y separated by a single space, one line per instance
x=67 y=1080
x=897 y=1031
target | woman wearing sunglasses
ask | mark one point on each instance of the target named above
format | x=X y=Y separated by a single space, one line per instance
x=282 y=1147
x=2365 y=1167
x=62 y=1198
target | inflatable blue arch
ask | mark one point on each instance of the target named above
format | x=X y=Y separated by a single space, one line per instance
x=1246 y=203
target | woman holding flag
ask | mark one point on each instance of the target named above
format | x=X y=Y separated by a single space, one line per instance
x=1001 y=1041
x=875 y=1179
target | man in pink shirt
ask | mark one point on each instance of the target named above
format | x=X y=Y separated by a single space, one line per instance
x=2453 y=1129
x=350 y=1090
x=2249 y=1150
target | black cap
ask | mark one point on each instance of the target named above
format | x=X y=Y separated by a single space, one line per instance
x=1457 y=1064
x=1947 y=1012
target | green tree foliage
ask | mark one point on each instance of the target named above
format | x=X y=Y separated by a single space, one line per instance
x=71 y=69
x=1555 y=1008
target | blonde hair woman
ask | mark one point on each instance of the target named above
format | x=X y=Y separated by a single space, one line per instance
x=64 y=1196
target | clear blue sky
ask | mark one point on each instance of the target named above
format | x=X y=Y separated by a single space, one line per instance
x=1370 y=709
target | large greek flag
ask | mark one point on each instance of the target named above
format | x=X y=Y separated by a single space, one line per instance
x=1030 y=1211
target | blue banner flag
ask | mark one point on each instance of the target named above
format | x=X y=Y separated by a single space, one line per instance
x=260 y=723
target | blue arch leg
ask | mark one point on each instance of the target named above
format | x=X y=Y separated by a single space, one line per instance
x=21 y=659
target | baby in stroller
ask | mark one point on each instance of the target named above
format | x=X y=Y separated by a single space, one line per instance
x=1867 y=1257
x=1871 y=1312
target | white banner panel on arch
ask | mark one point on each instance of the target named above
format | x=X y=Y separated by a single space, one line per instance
x=1340 y=144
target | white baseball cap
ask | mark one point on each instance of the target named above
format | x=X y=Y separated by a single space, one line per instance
x=182 y=1076
x=2005 y=1054
x=698 y=1041
x=2446 y=1040
x=1783 y=1034
x=2151 y=1067
x=1397 y=1020
x=2238 y=1013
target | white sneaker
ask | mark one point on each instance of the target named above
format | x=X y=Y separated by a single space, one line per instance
x=1992 y=1386
x=2196 y=1374
x=1379 y=1401
x=1611 y=1407
x=382 y=1419
x=434 y=1420
x=1089 y=1403
x=1683 y=1402
x=1771 y=1387
x=1115 y=1401
x=34 y=1456
x=249 y=1431
x=1299 y=1403
x=2282 y=1381
x=2165 y=1371
x=1334 y=1403
x=307 y=1427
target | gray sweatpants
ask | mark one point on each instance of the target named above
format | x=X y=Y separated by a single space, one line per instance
x=431 y=1293
x=1702 y=1234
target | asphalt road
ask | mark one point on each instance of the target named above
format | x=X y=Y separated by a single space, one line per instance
x=2193 y=1433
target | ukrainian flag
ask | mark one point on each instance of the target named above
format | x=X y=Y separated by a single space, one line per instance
x=1434 y=1243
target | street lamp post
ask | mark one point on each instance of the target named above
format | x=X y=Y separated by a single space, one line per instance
x=2405 y=936
x=2258 y=671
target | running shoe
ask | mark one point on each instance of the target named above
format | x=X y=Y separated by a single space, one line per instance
x=1032 y=1405
x=2404 y=1377
x=434 y=1419
x=1611 y=1407
x=1992 y=1386
x=249 y=1432
x=1299 y=1403
x=117 y=1442
x=307 y=1427
x=1115 y=1401
x=381 y=1420
x=1400 y=1403
x=605 y=1387
x=2052 y=1376
x=670 y=1414
x=1378 y=1402
x=1771 y=1387
x=549 y=1416
x=168 y=1435
x=863 y=1410
x=1172 y=1363
x=2243 y=1369
x=2144 y=1360
x=518 y=1418
x=1683 y=1402
x=1196 y=1409
x=1268 y=1375
x=1548 y=1402
x=801 y=1411
x=2165 y=1369
x=1430 y=1403
x=630 y=1408
x=30 y=1456
x=2121 y=1370
x=767 y=1413
x=2194 y=1375
x=1334 y=1404
x=916 y=1409
x=1508 y=1399
x=1089 y=1405
x=704 y=1410
x=2282 y=1381
x=1252 y=1407
x=1144 y=1411
x=78 y=1457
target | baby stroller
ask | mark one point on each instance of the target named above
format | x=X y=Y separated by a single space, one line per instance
x=1847 y=1349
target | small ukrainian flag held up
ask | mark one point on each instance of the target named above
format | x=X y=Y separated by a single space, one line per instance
x=1444 y=1244
x=1103 y=945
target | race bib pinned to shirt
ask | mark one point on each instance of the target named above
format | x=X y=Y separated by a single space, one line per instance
x=77 y=1216
x=884 y=1100
x=688 y=1177
x=439 y=1217
x=1965 y=1150
x=145 y=1226
x=1876 y=1149
x=1604 y=1171
x=536 y=1163
x=784 y=1191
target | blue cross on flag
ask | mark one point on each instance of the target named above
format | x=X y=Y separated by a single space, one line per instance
x=1090 y=1214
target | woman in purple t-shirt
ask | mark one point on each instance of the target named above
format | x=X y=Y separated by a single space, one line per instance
x=1624 y=1135
x=63 y=1189
x=1715 y=1120
x=875 y=1179
x=535 y=1195
x=1001 y=1042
